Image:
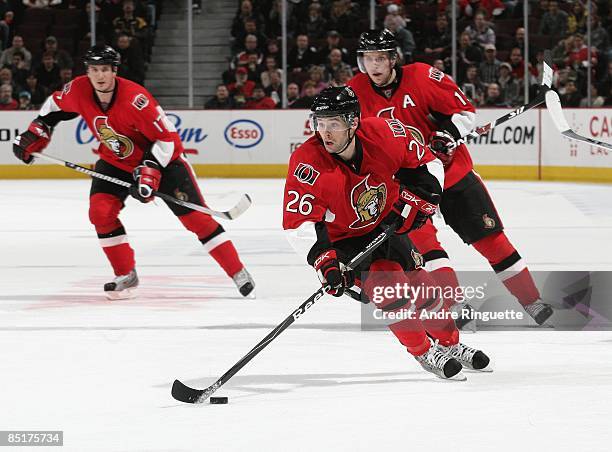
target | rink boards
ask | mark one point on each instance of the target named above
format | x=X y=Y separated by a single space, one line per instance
x=244 y=143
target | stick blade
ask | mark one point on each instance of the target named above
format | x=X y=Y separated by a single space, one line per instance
x=553 y=105
x=184 y=393
x=242 y=206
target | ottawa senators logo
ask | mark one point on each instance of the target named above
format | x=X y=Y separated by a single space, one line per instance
x=368 y=203
x=120 y=145
x=489 y=223
x=389 y=114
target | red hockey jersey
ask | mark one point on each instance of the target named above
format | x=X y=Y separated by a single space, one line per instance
x=352 y=199
x=423 y=96
x=133 y=123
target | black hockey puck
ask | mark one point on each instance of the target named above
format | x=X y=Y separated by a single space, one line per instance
x=218 y=400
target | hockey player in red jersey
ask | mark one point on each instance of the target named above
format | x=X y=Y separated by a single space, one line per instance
x=434 y=109
x=341 y=185
x=138 y=144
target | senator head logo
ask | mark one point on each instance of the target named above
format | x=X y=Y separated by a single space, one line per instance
x=120 y=145
x=368 y=203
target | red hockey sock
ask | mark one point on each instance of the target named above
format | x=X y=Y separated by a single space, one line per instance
x=227 y=257
x=121 y=258
x=509 y=267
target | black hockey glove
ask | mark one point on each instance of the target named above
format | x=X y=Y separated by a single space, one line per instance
x=412 y=209
x=333 y=273
x=443 y=145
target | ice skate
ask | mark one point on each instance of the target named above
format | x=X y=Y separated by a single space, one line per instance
x=540 y=311
x=440 y=364
x=244 y=282
x=122 y=287
x=468 y=357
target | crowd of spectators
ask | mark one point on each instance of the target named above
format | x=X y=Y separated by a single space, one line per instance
x=42 y=43
x=323 y=36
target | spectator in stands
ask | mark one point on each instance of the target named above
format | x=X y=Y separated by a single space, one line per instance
x=132 y=64
x=561 y=52
x=576 y=19
x=132 y=25
x=596 y=100
x=605 y=86
x=242 y=88
x=342 y=19
x=244 y=13
x=571 y=97
x=315 y=25
x=293 y=94
x=7 y=55
x=253 y=67
x=274 y=19
x=579 y=55
x=403 y=37
x=5 y=28
x=341 y=77
x=554 y=21
x=61 y=57
x=6 y=98
x=272 y=49
x=309 y=92
x=20 y=73
x=259 y=100
x=480 y=31
x=439 y=65
x=48 y=72
x=250 y=28
x=65 y=75
x=494 y=97
x=275 y=88
x=490 y=66
x=317 y=76
x=250 y=46
x=39 y=93
x=600 y=38
x=394 y=15
x=302 y=56
x=332 y=42
x=25 y=101
x=271 y=68
x=468 y=54
x=519 y=41
x=492 y=8
x=6 y=78
x=518 y=65
x=221 y=100
x=438 y=42
x=41 y=3
x=472 y=87
x=334 y=64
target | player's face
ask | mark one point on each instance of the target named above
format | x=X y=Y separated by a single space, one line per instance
x=102 y=77
x=333 y=132
x=379 y=66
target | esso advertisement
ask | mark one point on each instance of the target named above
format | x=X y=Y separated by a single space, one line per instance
x=243 y=133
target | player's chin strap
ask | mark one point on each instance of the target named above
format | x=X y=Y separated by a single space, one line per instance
x=348 y=142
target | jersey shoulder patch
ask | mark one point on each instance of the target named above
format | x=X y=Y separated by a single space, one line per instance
x=306 y=174
x=436 y=74
x=140 y=101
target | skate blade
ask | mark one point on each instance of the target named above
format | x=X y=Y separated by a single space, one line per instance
x=124 y=294
x=251 y=296
x=487 y=369
x=460 y=376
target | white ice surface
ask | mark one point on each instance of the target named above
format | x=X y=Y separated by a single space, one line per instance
x=102 y=372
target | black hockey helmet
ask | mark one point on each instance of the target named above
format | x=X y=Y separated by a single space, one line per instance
x=376 y=41
x=101 y=55
x=335 y=101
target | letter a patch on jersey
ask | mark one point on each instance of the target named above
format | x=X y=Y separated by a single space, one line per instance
x=120 y=145
x=368 y=203
x=306 y=174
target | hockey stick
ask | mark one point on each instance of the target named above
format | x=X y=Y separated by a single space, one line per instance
x=539 y=99
x=553 y=104
x=184 y=393
x=242 y=205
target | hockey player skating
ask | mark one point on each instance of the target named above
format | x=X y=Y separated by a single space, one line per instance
x=340 y=188
x=437 y=113
x=138 y=144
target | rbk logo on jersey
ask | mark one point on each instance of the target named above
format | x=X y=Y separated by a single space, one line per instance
x=368 y=203
x=120 y=145
x=306 y=174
